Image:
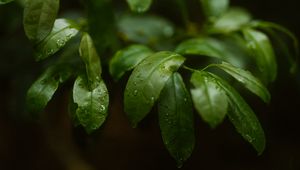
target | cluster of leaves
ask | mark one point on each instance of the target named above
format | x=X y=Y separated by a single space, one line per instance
x=224 y=51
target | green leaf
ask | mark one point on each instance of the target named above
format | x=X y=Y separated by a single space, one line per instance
x=214 y=8
x=92 y=103
x=91 y=59
x=146 y=82
x=139 y=5
x=42 y=90
x=63 y=30
x=275 y=31
x=39 y=17
x=145 y=29
x=5 y=1
x=262 y=52
x=126 y=59
x=209 y=99
x=233 y=20
x=242 y=117
x=176 y=119
x=247 y=79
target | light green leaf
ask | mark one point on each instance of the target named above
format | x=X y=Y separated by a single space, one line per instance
x=209 y=99
x=146 y=82
x=242 y=117
x=214 y=8
x=176 y=119
x=39 y=17
x=63 y=30
x=42 y=90
x=262 y=52
x=5 y=1
x=126 y=59
x=92 y=103
x=91 y=59
x=145 y=29
x=233 y=20
x=247 y=79
x=139 y=5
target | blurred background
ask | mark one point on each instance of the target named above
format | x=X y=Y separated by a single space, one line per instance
x=53 y=143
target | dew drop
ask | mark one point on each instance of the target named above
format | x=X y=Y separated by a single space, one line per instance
x=152 y=99
x=135 y=92
x=102 y=108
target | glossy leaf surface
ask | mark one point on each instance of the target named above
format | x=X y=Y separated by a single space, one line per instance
x=126 y=59
x=63 y=30
x=262 y=52
x=39 y=17
x=139 y=5
x=209 y=98
x=214 y=8
x=146 y=82
x=176 y=119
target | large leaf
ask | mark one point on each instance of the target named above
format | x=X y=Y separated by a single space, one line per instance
x=91 y=59
x=139 y=5
x=42 y=90
x=126 y=59
x=242 y=117
x=209 y=99
x=5 y=1
x=92 y=103
x=147 y=81
x=61 y=33
x=145 y=29
x=234 y=19
x=263 y=53
x=247 y=79
x=176 y=119
x=214 y=8
x=39 y=16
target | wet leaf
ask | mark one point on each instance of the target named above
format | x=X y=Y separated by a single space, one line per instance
x=176 y=119
x=146 y=82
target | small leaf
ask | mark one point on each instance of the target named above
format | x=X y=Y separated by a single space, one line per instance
x=214 y=8
x=209 y=99
x=92 y=103
x=139 y=5
x=5 y=1
x=126 y=59
x=247 y=79
x=39 y=17
x=145 y=29
x=242 y=117
x=42 y=90
x=263 y=53
x=176 y=119
x=233 y=20
x=146 y=82
x=61 y=33
x=91 y=59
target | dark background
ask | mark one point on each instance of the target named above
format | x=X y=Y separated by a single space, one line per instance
x=52 y=143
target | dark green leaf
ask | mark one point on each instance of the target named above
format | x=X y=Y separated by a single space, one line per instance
x=234 y=19
x=126 y=59
x=91 y=59
x=147 y=81
x=262 y=52
x=92 y=103
x=247 y=79
x=42 y=90
x=39 y=17
x=61 y=33
x=176 y=119
x=214 y=8
x=242 y=117
x=5 y=1
x=145 y=29
x=139 y=5
x=209 y=98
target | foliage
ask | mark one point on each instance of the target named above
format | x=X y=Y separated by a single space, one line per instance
x=224 y=49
